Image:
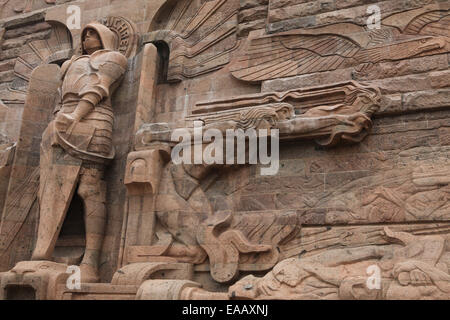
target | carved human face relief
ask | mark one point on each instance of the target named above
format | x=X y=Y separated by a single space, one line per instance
x=91 y=41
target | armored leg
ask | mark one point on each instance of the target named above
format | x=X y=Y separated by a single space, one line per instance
x=92 y=190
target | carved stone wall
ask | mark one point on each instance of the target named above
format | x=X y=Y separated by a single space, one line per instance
x=38 y=37
x=364 y=116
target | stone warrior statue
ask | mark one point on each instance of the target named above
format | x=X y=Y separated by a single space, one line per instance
x=77 y=145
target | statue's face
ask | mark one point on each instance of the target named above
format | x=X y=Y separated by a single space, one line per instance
x=91 y=41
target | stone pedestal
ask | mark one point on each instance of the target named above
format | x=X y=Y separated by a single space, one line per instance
x=32 y=280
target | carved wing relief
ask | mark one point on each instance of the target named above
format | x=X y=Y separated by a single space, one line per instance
x=430 y=23
x=55 y=49
x=200 y=35
x=292 y=54
x=320 y=49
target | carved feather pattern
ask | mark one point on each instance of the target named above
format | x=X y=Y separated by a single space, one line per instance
x=201 y=36
x=307 y=51
x=290 y=55
x=430 y=23
x=57 y=47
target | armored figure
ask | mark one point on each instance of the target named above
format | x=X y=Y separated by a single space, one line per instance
x=77 y=145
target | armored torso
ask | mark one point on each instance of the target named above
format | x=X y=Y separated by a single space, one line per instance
x=98 y=74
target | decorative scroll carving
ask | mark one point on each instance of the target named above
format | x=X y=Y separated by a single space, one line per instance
x=322 y=49
x=342 y=111
x=201 y=36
